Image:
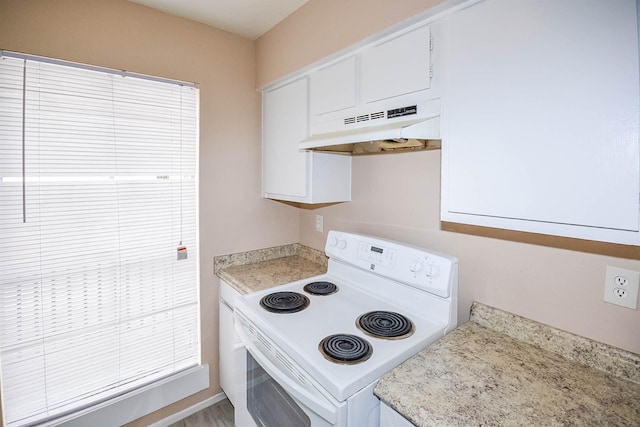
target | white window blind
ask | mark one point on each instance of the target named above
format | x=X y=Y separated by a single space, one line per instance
x=98 y=189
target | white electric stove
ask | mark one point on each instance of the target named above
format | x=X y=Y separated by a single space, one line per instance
x=317 y=347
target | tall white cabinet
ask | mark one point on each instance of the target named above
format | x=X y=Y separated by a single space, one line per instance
x=292 y=174
x=540 y=118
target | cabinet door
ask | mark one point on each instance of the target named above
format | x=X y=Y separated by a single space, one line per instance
x=333 y=88
x=397 y=67
x=284 y=126
x=540 y=118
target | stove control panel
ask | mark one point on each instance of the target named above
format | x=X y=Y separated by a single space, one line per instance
x=417 y=267
x=376 y=254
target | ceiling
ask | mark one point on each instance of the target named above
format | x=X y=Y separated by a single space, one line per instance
x=247 y=18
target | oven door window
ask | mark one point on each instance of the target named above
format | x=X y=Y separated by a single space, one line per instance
x=268 y=403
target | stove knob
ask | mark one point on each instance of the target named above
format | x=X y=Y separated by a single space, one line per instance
x=333 y=241
x=342 y=244
x=416 y=266
x=432 y=271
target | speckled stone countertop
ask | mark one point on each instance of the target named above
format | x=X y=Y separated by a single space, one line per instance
x=500 y=369
x=265 y=268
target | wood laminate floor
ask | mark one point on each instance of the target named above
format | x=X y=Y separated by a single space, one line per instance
x=218 y=415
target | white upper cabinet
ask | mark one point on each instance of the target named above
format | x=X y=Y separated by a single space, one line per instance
x=333 y=88
x=284 y=124
x=389 y=80
x=289 y=173
x=397 y=67
x=356 y=90
x=540 y=118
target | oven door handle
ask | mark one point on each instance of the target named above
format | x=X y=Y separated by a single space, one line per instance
x=316 y=401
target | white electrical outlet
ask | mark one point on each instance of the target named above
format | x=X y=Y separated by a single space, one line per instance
x=621 y=287
x=319 y=223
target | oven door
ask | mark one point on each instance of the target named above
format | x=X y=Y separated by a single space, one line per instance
x=274 y=392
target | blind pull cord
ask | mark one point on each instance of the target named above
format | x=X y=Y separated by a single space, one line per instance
x=182 y=249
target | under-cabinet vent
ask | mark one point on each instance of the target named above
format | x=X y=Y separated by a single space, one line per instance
x=401 y=126
x=364 y=118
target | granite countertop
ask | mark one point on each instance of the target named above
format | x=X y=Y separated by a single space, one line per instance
x=265 y=268
x=502 y=369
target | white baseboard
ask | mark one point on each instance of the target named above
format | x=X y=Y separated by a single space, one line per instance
x=174 y=418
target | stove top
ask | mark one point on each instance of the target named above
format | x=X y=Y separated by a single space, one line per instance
x=300 y=334
x=362 y=323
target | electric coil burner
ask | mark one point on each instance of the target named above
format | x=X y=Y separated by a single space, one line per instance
x=379 y=303
x=284 y=302
x=385 y=324
x=321 y=288
x=345 y=348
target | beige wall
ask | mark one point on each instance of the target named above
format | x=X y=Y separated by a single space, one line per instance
x=397 y=196
x=124 y=35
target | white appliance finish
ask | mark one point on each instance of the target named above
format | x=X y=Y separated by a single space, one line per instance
x=371 y=274
x=390 y=418
x=383 y=91
x=540 y=118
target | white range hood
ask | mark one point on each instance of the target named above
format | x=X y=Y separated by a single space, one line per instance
x=412 y=127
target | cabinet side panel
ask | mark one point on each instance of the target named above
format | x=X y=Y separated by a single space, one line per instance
x=331 y=177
